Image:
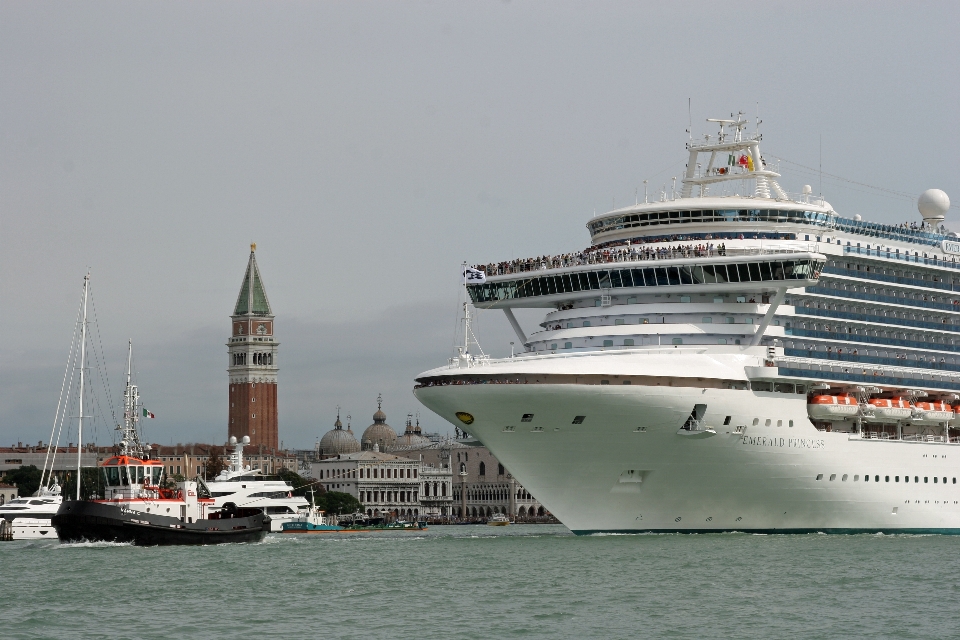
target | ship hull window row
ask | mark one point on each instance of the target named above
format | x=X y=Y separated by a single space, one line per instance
x=645 y=277
x=915 y=361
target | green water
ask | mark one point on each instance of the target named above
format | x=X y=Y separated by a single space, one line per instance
x=524 y=581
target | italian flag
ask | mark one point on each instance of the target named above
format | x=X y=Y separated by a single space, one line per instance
x=147 y=414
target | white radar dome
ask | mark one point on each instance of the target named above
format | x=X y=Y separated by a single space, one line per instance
x=933 y=205
x=858 y=217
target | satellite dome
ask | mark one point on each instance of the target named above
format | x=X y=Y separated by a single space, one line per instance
x=933 y=205
x=858 y=217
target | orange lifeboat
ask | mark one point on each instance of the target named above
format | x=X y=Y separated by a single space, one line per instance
x=890 y=409
x=932 y=413
x=832 y=407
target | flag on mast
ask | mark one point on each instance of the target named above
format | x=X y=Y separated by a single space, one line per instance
x=473 y=276
x=147 y=414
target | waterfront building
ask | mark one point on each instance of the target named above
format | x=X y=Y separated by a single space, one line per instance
x=253 y=364
x=482 y=486
x=63 y=462
x=386 y=484
x=8 y=492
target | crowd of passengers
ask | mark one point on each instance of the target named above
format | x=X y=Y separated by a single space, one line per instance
x=627 y=253
x=444 y=382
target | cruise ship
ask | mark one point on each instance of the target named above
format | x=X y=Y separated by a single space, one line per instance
x=728 y=357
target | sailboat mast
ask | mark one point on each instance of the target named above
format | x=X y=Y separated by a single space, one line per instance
x=83 y=363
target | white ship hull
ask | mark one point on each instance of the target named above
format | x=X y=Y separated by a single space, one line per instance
x=626 y=468
x=32 y=529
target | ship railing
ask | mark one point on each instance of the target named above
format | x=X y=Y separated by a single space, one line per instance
x=644 y=254
x=895 y=254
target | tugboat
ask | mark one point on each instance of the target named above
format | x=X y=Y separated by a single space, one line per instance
x=137 y=508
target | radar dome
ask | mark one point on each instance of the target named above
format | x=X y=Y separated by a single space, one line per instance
x=858 y=217
x=933 y=205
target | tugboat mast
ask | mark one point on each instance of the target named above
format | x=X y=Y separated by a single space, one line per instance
x=130 y=444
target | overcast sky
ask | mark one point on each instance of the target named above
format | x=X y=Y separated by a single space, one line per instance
x=368 y=148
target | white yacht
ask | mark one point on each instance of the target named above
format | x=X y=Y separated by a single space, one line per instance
x=246 y=487
x=729 y=357
x=29 y=517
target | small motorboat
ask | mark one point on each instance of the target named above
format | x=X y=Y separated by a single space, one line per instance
x=498 y=520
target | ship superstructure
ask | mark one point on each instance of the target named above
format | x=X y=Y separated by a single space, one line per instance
x=728 y=357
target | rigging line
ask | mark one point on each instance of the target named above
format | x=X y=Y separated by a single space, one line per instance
x=103 y=372
x=862 y=184
x=56 y=415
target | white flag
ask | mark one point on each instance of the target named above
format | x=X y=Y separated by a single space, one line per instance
x=473 y=276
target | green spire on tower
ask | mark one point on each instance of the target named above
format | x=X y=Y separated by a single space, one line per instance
x=252 y=300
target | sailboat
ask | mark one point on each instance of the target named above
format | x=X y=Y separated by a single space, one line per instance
x=137 y=505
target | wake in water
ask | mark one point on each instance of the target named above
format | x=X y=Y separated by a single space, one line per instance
x=93 y=545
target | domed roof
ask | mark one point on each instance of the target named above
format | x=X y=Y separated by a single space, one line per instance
x=412 y=435
x=379 y=433
x=337 y=441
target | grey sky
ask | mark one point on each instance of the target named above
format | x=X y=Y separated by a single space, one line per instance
x=368 y=148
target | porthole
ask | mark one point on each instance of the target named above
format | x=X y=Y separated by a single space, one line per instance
x=877 y=478
x=819 y=476
x=833 y=477
x=791 y=423
x=844 y=478
x=856 y=478
x=779 y=423
x=767 y=423
x=886 y=478
x=756 y=421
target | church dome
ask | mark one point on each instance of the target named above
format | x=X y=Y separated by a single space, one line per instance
x=337 y=441
x=379 y=433
x=412 y=436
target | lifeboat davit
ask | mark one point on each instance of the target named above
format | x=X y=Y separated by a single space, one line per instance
x=890 y=409
x=839 y=406
x=932 y=413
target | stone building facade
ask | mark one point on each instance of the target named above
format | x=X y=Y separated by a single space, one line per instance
x=387 y=484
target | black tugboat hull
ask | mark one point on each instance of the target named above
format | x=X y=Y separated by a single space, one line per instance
x=78 y=521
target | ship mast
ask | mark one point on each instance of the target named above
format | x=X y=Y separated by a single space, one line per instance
x=83 y=363
x=129 y=437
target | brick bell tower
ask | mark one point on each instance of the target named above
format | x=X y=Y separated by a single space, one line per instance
x=253 y=363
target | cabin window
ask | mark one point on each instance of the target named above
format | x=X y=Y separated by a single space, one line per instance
x=708 y=320
x=553 y=346
x=578 y=420
x=925 y=479
x=567 y=345
x=896 y=478
x=678 y=341
x=586 y=323
x=819 y=476
x=844 y=478
x=756 y=421
x=618 y=321
x=726 y=420
x=721 y=341
x=628 y=342
x=833 y=477
x=886 y=478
